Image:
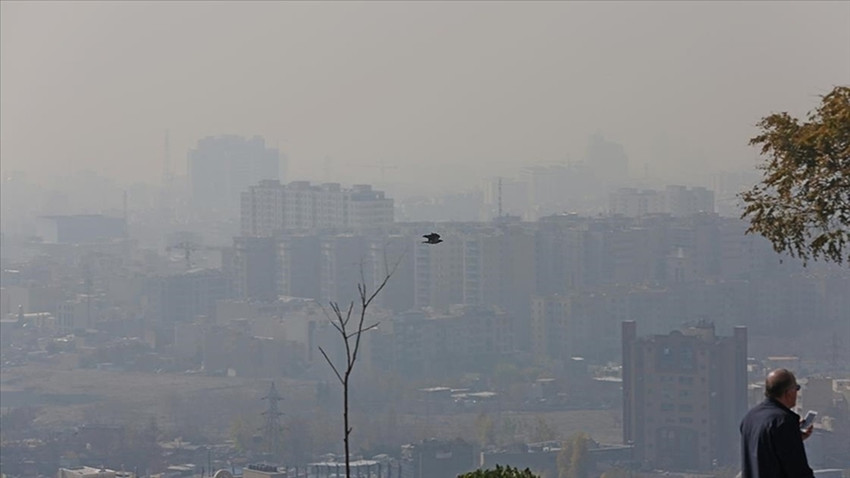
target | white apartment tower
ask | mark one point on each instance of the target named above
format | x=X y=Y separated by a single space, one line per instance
x=263 y=209
x=678 y=201
x=270 y=207
x=367 y=208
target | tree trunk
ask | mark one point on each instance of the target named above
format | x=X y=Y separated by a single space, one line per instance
x=347 y=429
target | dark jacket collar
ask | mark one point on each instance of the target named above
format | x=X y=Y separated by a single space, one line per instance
x=776 y=403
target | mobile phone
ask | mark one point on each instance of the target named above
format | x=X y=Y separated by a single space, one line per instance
x=810 y=418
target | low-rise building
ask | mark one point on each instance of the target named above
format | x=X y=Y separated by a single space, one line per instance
x=437 y=459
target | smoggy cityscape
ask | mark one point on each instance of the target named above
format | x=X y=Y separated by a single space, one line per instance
x=591 y=307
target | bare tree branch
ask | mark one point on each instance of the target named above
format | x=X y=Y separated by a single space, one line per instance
x=338 y=328
x=340 y=322
x=373 y=326
x=333 y=367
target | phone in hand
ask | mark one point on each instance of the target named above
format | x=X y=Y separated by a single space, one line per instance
x=809 y=420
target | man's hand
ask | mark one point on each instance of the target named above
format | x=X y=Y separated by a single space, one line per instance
x=808 y=432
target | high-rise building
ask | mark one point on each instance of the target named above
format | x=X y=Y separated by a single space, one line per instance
x=684 y=395
x=560 y=260
x=632 y=202
x=262 y=209
x=299 y=206
x=331 y=206
x=427 y=343
x=439 y=274
x=577 y=324
x=221 y=167
x=678 y=201
x=367 y=209
x=298 y=265
x=498 y=268
x=548 y=189
x=257 y=275
x=183 y=297
x=343 y=263
x=682 y=201
x=391 y=255
x=270 y=207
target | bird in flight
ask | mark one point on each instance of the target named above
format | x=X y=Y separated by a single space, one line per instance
x=432 y=238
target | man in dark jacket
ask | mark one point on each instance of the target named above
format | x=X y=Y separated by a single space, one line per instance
x=771 y=439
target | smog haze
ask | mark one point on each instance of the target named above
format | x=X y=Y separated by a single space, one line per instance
x=434 y=90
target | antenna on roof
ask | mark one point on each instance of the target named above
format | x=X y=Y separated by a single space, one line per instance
x=500 y=196
x=166 y=160
x=125 y=212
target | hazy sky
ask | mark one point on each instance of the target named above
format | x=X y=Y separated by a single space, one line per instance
x=436 y=88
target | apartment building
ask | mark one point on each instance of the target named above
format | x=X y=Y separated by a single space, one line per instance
x=576 y=324
x=221 y=167
x=367 y=209
x=498 y=268
x=269 y=208
x=439 y=274
x=429 y=343
x=297 y=264
x=185 y=296
x=256 y=273
x=262 y=209
x=684 y=394
x=393 y=254
x=678 y=201
x=342 y=265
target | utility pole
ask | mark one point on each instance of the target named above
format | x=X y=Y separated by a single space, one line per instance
x=88 y=282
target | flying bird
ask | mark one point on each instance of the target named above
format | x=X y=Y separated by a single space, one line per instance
x=432 y=238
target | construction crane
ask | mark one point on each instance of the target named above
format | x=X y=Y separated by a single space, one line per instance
x=187 y=248
x=383 y=167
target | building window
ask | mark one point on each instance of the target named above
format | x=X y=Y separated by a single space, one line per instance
x=686 y=358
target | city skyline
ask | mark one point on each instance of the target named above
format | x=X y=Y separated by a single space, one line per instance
x=410 y=90
x=551 y=210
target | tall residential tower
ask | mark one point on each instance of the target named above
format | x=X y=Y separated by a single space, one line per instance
x=684 y=395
